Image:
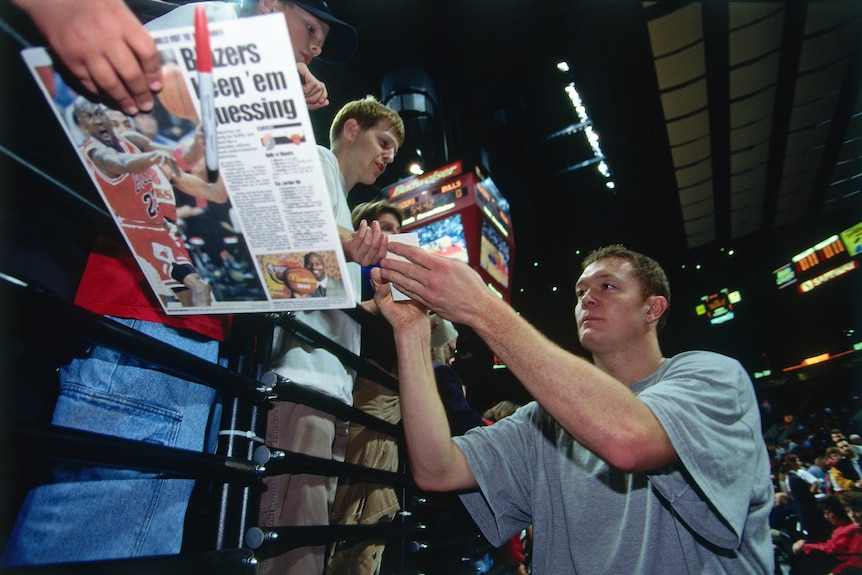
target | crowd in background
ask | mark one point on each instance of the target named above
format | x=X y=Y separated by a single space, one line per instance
x=815 y=453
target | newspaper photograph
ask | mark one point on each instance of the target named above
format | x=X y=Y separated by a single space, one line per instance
x=252 y=214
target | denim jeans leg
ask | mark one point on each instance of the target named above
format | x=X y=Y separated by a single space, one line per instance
x=94 y=513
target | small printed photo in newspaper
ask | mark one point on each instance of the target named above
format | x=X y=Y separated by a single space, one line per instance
x=283 y=135
x=303 y=275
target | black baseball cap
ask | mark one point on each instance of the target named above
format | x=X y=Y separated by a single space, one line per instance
x=342 y=38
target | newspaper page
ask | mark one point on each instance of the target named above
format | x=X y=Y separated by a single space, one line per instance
x=263 y=235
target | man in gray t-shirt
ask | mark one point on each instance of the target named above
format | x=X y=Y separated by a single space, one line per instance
x=635 y=463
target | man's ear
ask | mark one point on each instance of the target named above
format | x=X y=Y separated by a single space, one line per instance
x=350 y=130
x=657 y=305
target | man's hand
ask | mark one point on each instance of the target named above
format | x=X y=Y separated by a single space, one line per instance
x=199 y=293
x=104 y=45
x=316 y=95
x=367 y=245
x=192 y=152
x=400 y=314
x=446 y=286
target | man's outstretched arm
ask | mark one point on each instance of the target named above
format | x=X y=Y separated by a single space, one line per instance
x=599 y=411
x=435 y=461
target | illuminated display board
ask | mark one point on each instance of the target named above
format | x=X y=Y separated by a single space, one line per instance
x=784 y=276
x=424 y=181
x=827 y=260
x=494 y=256
x=718 y=307
x=457 y=213
x=445 y=189
x=822 y=252
x=444 y=237
x=494 y=205
x=817 y=281
x=432 y=202
x=852 y=238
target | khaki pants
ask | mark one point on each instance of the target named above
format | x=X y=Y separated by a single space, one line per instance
x=362 y=502
x=301 y=499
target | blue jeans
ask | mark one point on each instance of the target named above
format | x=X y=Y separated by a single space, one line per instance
x=93 y=513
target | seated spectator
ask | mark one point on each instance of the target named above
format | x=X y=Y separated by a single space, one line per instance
x=842 y=553
x=802 y=487
x=838 y=435
x=847 y=471
x=784 y=526
x=833 y=455
x=461 y=415
x=783 y=515
x=818 y=470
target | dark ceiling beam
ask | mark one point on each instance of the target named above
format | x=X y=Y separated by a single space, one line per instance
x=785 y=87
x=716 y=40
x=660 y=9
x=627 y=109
x=840 y=121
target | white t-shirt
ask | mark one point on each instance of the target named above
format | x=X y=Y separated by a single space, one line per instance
x=316 y=368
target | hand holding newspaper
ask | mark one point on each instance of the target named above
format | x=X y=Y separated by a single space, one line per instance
x=248 y=224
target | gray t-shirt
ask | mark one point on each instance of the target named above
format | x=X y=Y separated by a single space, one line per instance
x=707 y=515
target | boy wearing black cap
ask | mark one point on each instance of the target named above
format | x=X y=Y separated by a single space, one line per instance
x=309 y=24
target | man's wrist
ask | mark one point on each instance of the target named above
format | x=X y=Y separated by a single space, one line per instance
x=183 y=272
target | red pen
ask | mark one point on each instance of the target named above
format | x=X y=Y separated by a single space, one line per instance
x=206 y=91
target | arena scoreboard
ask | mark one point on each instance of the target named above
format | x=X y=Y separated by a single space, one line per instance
x=823 y=262
x=459 y=214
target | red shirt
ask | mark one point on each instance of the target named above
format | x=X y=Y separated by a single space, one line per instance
x=113 y=284
x=845 y=539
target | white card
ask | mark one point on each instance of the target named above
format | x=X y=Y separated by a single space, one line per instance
x=410 y=239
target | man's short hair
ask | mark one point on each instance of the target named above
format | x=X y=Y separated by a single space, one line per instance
x=307 y=258
x=370 y=211
x=81 y=104
x=368 y=112
x=649 y=273
x=501 y=409
x=791 y=460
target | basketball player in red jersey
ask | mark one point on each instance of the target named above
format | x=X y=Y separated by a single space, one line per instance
x=137 y=176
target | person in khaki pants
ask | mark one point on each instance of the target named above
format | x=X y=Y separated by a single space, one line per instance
x=361 y=502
